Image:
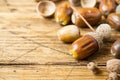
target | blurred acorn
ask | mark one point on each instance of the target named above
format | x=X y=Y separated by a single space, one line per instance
x=74 y=2
x=63 y=13
x=92 y=15
x=68 y=33
x=114 y=20
x=88 y=3
x=107 y=6
x=115 y=49
x=86 y=45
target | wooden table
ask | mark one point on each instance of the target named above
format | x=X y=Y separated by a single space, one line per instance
x=30 y=49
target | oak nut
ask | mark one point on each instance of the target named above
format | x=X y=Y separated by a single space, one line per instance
x=115 y=49
x=68 y=33
x=113 y=65
x=63 y=13
x=117 y=1
x=86 y=45
x=92 y=15
x=114 y=20
x=107 y=6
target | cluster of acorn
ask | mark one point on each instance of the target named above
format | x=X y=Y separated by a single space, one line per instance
x=83 y=13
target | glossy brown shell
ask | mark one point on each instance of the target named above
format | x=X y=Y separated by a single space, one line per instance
x=115 y=49
x=92 y=15
x=84 y=47
x=63 y=13
x=107 y=6
x=114 y=20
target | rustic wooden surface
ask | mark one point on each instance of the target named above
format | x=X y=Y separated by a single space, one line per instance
x=30 y=49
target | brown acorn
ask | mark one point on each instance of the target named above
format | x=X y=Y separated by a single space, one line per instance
x=115 y=49
x=86 y=45
x=92 y=15
x=107 y=6
x=63 y=13
x=114 y=20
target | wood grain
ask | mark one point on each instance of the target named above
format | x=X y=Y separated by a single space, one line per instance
x=30 y=49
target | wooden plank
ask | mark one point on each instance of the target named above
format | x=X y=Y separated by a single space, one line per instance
x=49 y=72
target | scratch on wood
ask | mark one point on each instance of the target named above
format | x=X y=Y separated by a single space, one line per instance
x=70 y=72
x=23 y=54
x=66 y=53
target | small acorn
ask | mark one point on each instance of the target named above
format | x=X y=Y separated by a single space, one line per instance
x=107 y=6
x=92 y=16
x=114 y=20
x=63 y=13
x=115 y=49
x=117 y=1
x=68 y=33
x=86 y=45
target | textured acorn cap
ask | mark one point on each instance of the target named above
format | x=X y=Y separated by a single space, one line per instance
x=97 y=37
x=104 y=30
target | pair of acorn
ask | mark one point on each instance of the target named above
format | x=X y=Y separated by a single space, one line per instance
x=84 y=46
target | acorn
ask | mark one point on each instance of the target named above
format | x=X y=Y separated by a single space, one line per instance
x=68 y=33
x=63 y=13
x=107 y=6
x=86 y=45
x=115 y=49
x=91 y=15
x=114 y=20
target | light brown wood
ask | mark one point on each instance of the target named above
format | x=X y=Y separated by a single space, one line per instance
x=30 y=49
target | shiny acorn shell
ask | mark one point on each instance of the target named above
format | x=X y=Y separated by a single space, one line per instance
x=115 y=49
x=92 y=15
x=114 y=20
x=88 y=3
x=68 y=33
x=84 y=47
x=46 y=8
x=107 y=6
x=63 y=13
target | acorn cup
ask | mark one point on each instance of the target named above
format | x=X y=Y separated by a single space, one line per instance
x=114 y=20
x=107 y=6
x=63 y=13
x=86 y=45
x=91 y=15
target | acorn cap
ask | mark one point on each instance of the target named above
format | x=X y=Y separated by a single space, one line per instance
x=104 y=30
x=46 y=8
x=97 y=37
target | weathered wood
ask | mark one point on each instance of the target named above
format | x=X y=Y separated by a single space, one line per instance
x=49 y=72
x=30 y=49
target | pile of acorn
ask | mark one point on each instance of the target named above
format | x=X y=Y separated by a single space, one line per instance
x=86 y=13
